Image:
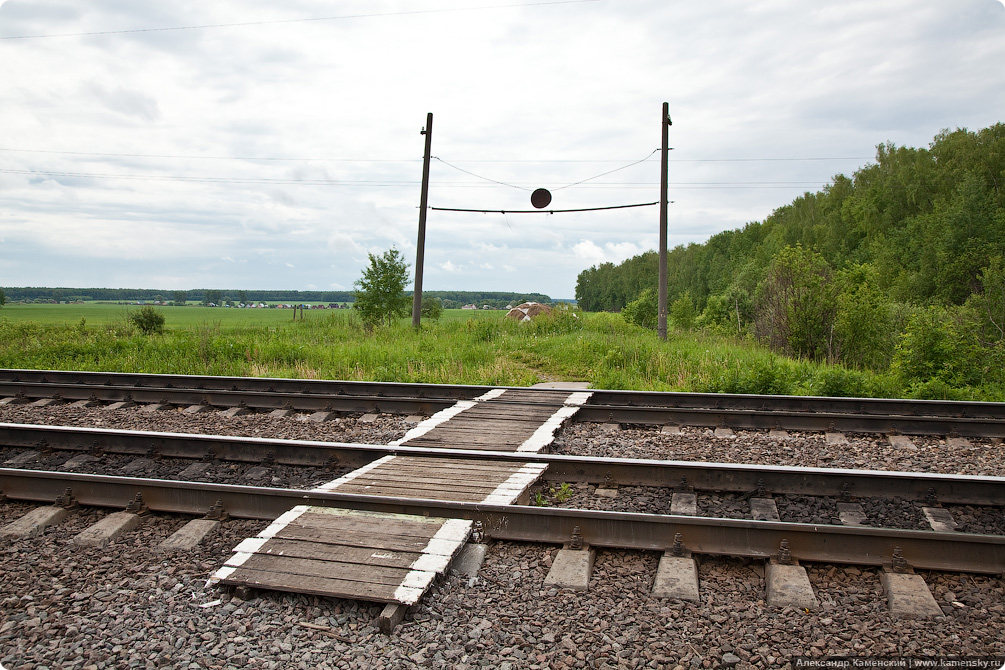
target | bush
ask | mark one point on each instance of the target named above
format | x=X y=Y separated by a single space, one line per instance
x=835 y=382
x=683 y=312
x=642 y=310
x=432 y=308
x=762 y=377
x=148 y=320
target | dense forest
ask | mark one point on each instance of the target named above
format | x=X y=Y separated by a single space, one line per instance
x=897 y=269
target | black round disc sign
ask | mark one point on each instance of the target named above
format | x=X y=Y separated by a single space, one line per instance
x=540 y=198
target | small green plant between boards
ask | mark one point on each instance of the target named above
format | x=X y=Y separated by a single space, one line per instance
x=554 y=494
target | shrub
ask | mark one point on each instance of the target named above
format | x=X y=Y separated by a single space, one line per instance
x=642 y=310
x=148 y=320
x=683 y=312
x=432 y=308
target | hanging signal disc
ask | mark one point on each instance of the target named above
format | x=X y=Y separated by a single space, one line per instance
x=540 y=198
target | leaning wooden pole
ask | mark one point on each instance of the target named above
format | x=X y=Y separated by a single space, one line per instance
x=661 y=308
x=420 y=245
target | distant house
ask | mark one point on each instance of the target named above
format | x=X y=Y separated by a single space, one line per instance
x=469 y=307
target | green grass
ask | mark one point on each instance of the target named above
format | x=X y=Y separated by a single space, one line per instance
x=103 y=314
x=464 y=347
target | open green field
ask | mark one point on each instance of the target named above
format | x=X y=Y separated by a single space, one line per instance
x=104 y=314
x=463 y=347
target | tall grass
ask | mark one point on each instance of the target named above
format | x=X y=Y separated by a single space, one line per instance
x=462 y=348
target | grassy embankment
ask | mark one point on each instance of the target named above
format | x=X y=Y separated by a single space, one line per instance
x=464 y=347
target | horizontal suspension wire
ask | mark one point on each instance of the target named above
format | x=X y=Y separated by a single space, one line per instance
x=541 y=211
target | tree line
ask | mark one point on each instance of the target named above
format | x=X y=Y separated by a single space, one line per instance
x=450 y=299
x=61 y=294
x=898 y=268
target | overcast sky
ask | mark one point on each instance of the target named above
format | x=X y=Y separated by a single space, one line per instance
x=257 y=145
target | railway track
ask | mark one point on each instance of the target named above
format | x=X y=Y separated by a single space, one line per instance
x=756 y=539
x=21 y=440
x=858 y=557
x=928 y=550
x=854 y=415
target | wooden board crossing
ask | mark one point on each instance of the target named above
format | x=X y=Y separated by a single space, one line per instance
x=500 y=420
x=490 y=482
x=393 y=558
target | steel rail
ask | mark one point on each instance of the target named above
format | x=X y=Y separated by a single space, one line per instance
x=761 y=419
x=736 y=478
x=352 y=403
x=749 y=402
x=257 y=400
x=927 y=550
x=970 y=419
x=255 y=384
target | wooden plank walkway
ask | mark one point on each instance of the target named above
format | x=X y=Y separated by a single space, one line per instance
x=500 y=420
x=394 y=558
x=489 y=482
x=391 y=558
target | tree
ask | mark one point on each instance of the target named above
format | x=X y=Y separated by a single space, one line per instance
x=180 y=297
x=797 y=304
x=213 y=297
x=148 y=320
x=3 y=298
x=380 y=292
x=682 y=312
x=864 y=326
x=432 y=308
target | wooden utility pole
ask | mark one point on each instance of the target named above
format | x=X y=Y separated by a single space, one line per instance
x=420 y=245
x=661 y=306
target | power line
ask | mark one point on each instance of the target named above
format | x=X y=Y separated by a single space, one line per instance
x=494 y=181
x=604 y=174
x=559 y=188
x=224 y=158
x=385 y=182
x=308 y=20
x=417 y=160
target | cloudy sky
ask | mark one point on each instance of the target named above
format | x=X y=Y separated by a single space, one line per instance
x=256 y=145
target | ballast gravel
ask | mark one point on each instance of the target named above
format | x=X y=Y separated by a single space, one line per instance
x=130 y=606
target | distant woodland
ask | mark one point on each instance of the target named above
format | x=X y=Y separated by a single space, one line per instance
x=897 y=269
x=449 y=299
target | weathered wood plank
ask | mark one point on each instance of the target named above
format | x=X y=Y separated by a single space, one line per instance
x=508 y=445
x=318 y=586
x=450 y=479
x=331 y=552
x=338 y=525
x=425 y=483
x=446 y=481
x=307 y=567
x=430 y=494
x=389 y=542
x=336 y=528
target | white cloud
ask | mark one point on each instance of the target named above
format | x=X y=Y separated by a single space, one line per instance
x=540 y=86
